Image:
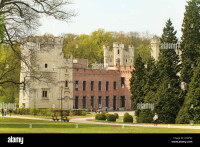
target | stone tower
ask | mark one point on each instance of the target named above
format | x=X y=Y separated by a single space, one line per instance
x=155 y=47
x=50 y=77
x=119 y=53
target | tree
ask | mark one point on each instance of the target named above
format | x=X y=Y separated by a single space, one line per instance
x=191 y=106
x=21 y=19
x=190 y=44
x=137 y=83
x=166 y=102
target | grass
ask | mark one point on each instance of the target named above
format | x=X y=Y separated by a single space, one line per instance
x=15 y=125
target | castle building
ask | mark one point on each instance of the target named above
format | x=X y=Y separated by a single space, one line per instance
x=50 y=76
x=126 y=56
x=54 y=81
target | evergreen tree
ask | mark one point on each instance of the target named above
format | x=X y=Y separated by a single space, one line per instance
x=137 y=83
x=191 y=107
x=167 y=96
x=190 y=44
x=168 y=61
x=166 y=102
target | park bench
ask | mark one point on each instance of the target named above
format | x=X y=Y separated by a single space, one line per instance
x=98 y=111
x=55 y=118
x=65 y=119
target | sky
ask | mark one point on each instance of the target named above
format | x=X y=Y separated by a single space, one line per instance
x=118 y=15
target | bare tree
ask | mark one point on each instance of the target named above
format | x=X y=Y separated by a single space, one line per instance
x=21 y=19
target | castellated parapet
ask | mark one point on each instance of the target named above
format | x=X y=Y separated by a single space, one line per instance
x=126 y=56
x=53 y=70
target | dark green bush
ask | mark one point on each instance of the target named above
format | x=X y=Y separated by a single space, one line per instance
x=111 y=117
x=103 y=116
x=97 y=116
x=127 y=118
x=116 y=115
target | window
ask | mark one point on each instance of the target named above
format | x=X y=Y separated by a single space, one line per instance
x=44 y=93
x=76 y=102
x=84 y=85
x=45 y=65
x=107 y=85
x=66 y=84
x=122 y=82
x=99 y=86
x=115 y=85
x=84 y=102
x=76 y=85
x=92 y=85
x=122 y=102
x=92 y=101
x=107 y=101
x=118 y=52
x=99 y=102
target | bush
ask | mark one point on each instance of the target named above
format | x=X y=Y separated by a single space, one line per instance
x=116 y=115
x=103 y=116
x=111 y=117
x=83 y=113
x=107 y=114
x=127 y=118
x=97 y=116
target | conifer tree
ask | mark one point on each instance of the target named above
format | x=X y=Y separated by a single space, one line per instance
x=137 y=83
x=190 y=44
x=191 y=107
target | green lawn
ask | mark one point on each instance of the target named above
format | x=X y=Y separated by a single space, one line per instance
x=14 y=125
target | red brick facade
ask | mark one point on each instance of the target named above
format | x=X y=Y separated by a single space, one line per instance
x=100 y=88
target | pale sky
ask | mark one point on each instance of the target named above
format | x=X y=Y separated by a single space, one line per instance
x=119 y=15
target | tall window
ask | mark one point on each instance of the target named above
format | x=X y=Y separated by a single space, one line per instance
x=76 y=102
x=107 y=101
x=99 y=102
x=118 y=52
x=99 y=86
x=84 y=85
x=45 y=65
x=107 y=85
x=66 y=84
x=84 y=102
x=92 y=101
x=122 y=102
x=92 y=85
x=122 y=82
x=114 y=85
x=76 y=85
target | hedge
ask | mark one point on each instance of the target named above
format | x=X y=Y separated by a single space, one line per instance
x=49 y=112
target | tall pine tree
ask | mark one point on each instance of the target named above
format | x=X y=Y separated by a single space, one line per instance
x=137 y=83
x=191 y=107
x=167 y=96
x=190 y=44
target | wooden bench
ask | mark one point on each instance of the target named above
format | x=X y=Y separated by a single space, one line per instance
x=55 y=118
x=98 y=111
x=65 y=119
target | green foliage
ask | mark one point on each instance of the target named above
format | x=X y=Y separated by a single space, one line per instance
x=116 y=115
x=83 y=113
x=111 y=117
x=127 y=117
x=190 y=44
x=98 y=116
x=187 y=112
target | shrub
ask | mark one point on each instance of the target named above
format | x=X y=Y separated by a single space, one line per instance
x=103 y=116
x=107 y=114
x=116 y=115
x=127 y=118
x=83 y=113
x=111 y=117
x=97 y=116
